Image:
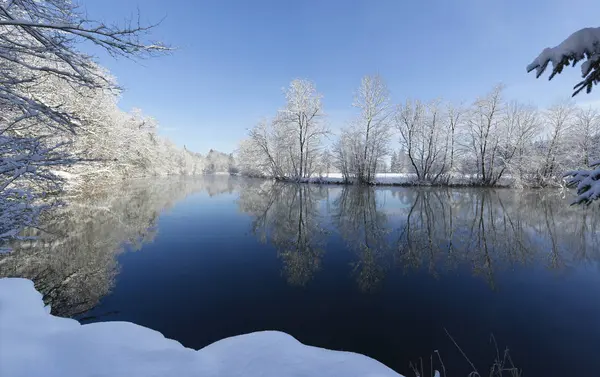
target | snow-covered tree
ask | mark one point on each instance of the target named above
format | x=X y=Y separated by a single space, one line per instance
x=287 y=147
x=37 y=46
x=373 y=126
x=554 y=151
x=520 y=126
x=232 y=167
x=423 y=134
x=484 y=129
x=394 y=168
x=455 y=120
x=586 y=131
x=586 y=182
x=300 y=126
x=217 y=162
x=584 y=44
x=346 y=151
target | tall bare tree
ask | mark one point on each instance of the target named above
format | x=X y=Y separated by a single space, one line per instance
x=483 y=129
x=373 y=124
x=302 y=120
x=424 y=135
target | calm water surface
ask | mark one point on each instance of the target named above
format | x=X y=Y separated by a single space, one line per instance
x=380 y=271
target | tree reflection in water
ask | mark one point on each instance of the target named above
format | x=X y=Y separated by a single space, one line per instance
x=487 y=229
x=484 y=231
x=73 y=260
x=363 y=225
x=288 y=217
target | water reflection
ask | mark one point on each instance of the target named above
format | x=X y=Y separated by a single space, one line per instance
x=73 y=262
x=364 y=226
x=288 y=217
x=491 y=229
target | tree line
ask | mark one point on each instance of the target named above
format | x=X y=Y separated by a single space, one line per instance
x=59 y=122
x=436 y=142
x=59 y=119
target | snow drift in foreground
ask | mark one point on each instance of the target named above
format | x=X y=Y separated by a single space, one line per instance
x=36 y=343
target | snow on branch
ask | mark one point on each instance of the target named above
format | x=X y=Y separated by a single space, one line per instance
x=583 y=44
x=587 y=183
x=38 y=58
x=26 y=162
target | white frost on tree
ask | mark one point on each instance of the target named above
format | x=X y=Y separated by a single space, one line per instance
x=37 y=39
x=288 y=146
x=302 y=121
x=587 y=183
x=373 y=125
x=584 y=44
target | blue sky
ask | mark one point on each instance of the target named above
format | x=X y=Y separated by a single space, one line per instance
x=234 y=57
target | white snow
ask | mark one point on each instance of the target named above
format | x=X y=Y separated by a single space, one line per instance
x=35 y=343
x=587 y=183
x=577 y=45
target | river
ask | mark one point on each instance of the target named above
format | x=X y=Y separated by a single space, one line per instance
x=388 y=272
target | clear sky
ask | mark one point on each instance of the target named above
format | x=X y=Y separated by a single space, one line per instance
x=234 y=57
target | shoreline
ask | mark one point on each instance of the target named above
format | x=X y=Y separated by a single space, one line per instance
x=340 y=182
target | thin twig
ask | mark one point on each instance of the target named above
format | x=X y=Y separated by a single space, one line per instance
x=462 y=352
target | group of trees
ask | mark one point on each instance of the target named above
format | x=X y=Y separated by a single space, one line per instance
x=289 y=145
x=219 y=162
x=487 y=142
x=58 y=109
x=59 y=114
x=584 y=44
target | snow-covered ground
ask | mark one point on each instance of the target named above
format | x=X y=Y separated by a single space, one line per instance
x=35 y=343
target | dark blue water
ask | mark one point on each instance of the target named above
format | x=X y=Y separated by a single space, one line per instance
x=384 y=272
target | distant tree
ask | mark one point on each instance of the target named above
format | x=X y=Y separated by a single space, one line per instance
x=346 y=151
x=382 y=167
x=586 y=132
x=401 y=162
x=232 y=167
x=394 y=168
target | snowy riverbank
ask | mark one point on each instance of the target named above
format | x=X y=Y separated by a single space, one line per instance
x=36 y=343
x=404 y=179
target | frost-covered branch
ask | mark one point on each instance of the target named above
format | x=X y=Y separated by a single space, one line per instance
x=26 y=163
x=43 y=82
x=583 y=44
x=587 y=183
